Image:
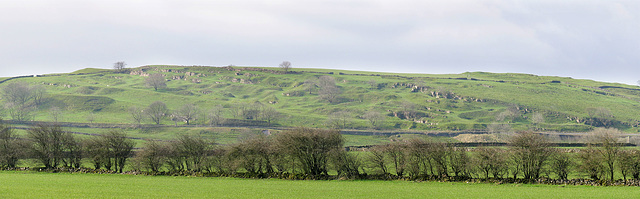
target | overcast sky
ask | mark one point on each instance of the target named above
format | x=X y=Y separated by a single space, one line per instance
x=583 y=39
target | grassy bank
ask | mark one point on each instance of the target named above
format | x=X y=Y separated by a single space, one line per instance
x=62 y=185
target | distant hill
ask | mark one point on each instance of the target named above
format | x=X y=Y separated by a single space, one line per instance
x=246 y=96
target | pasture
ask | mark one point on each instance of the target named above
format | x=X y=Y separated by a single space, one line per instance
x=20 y=184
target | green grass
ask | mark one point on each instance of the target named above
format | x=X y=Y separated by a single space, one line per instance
x=478 y=97
x=62 y=185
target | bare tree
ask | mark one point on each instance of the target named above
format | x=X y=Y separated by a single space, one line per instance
x=120 y=148
x=136 y=114
x=599 y=116
x=459 y=161
x=47 y=144
x=408 y=109
x=12 y=148
x=346 y=164
x=537 y=118
x=256 y=154
x=20 y=112
x=72 y=155
x=216 y=115
x=55 y=113
x=21 y=100
x=499 y=128
x=373 y=84
x=39 y=94
x=328 y=89
x=629 y=163
x=91 y=117
x=418 y=158
x=377 y=159
x=269 y=114
x=119 y=66
x=152 y=156
x=509 y=115
x=192 y=151
x=187 y=113
x=157 y=111
x=607 y=147
x=491 y=161
x=18 y=93
x=310 y=147
x=310 y=85
x=591 y=163
x=285 y=66
x=397 y=152
x=97 y=151
x=561 y=164
x=375 y=118
x=156 y=81
x=439 y=154
x=249 y=111
x=340 y=119
x=531 y=151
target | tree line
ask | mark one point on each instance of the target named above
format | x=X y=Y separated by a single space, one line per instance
x=320 y=153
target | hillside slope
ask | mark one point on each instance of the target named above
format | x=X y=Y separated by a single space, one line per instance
x=360 y=100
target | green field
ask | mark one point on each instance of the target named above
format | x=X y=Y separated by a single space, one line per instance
x=62 y=185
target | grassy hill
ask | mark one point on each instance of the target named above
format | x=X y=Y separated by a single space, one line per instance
x=475 y=101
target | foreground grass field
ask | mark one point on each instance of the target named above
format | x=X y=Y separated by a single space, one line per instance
x=48 y=185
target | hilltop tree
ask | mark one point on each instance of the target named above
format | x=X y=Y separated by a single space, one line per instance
x=157 y=111
x=156 y=81
x=119 y=66
x=285 y=66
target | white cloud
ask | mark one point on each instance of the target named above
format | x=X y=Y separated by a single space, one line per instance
x=585 y=39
